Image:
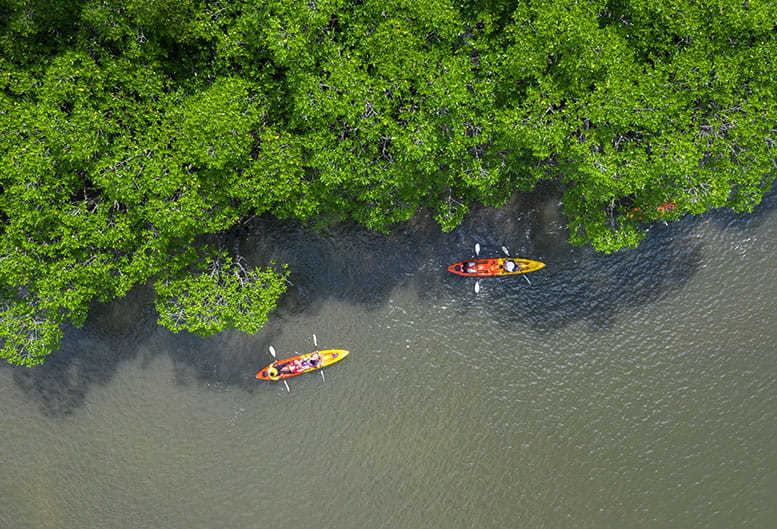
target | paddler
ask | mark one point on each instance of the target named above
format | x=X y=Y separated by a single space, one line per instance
x=272 y=372
x=315 y=360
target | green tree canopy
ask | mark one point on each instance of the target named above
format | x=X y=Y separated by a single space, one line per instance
x=134 y=134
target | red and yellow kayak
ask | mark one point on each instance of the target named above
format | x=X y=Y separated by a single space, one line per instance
x=494 y=267
x=297 y=365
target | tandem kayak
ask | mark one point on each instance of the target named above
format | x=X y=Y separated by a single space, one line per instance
x=297 y=365
x=494 y=267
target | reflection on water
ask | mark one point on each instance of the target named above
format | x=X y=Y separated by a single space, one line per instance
x=630 y=390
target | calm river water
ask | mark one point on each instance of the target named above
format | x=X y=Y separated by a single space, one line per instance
x=624 y=391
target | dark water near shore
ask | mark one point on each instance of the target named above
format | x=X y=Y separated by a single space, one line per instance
x=630 y=390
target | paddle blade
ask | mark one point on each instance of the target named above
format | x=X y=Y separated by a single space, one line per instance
x=506 y=251
x=527 y=279
x=287 y=386
x=315 y=341
x=477 y=287
x=323 y=377
x=477 y=248
x=272 y=351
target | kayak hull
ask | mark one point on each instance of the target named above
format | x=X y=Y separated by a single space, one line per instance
x=494 y=267
x=328 y=357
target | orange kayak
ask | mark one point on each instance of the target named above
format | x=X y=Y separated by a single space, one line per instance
x=494 y=267
x=297 y=365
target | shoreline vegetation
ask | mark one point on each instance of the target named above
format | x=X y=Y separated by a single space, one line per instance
x=137 y=137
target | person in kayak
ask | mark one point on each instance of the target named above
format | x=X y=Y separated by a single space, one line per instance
x=272 y=372
x=314 y=360
x=290 y=368
x=512 y=266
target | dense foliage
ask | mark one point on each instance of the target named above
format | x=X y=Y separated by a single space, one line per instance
x=135 y=133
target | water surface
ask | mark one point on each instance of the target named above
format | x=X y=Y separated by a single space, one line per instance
x=630 y=390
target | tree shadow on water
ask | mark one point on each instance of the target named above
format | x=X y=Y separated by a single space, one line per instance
x=226 y=360
x=345 y=262
x=580 y=285
x=125 y=330
x=595 y=288
x=89 y=356
x=354 y=265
